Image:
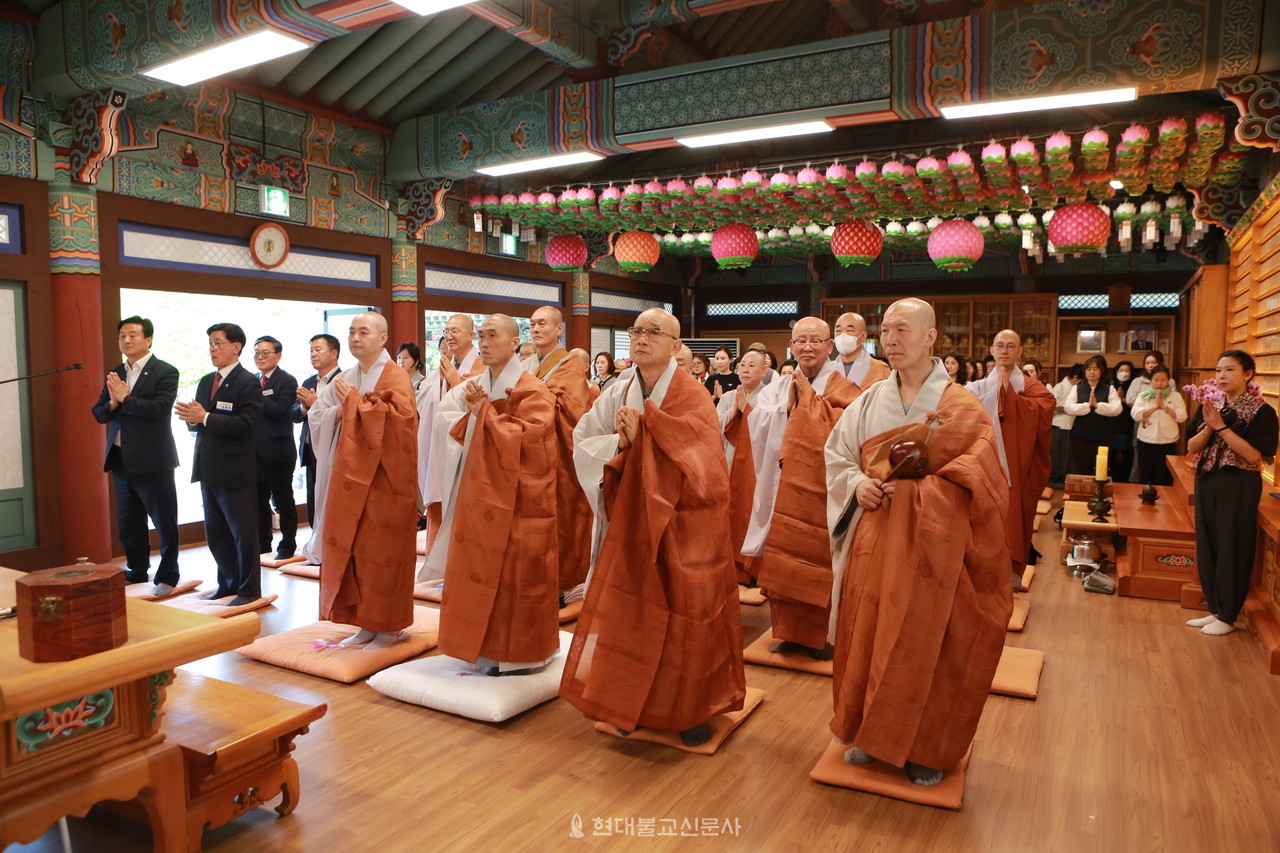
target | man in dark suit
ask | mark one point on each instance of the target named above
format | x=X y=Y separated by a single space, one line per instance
x=273 y=438
x=223 y=417
x=325 y=350
x=141 y=454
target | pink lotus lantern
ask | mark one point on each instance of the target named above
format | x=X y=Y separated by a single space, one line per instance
x=610 y=196
x=1024 y=152
x=636 y=251
x=1078 y=228
x=676 y=188
x=857 y=242
x=734 y=246
x=476 y=202
x=632 y=192
x=527 y=200
x=928 y=167
x=894 y=172
x=838 y=175
x=704 y=185
x=956 y=245
x=568 y=198
x=865 y=172
x=566 y=253
x=546 y=201
x=654 y=190
x=783 y=182
x=752 y=179
x=728 y=186
x=586 y=197
x=809 y=178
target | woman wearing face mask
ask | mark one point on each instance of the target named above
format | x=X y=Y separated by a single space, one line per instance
x=1141 y=383
x=723 y=380
x=1095 y=405
x=1158 y=411
x=1232 y=449
x=957 y=368
x=1121 y=458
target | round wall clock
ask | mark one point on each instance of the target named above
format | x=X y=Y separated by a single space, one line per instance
x=269 y=245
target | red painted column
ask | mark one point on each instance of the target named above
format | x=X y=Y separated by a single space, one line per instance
x=579 y=329
x=406 y=319
x=84 y=499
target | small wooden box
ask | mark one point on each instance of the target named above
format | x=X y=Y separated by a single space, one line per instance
x=1080 y=487
x=70 y=612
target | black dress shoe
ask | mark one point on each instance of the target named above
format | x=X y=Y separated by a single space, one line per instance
x=280 y=557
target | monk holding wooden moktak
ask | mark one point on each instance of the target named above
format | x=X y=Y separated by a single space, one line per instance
x=565 y=377
x=366 y=573
x=916 y=505
x=1021 y=411
x=659 y=641
x=496 y=447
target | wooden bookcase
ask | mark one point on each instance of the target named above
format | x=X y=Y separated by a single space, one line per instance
x=967 y=324
x=1202 y=325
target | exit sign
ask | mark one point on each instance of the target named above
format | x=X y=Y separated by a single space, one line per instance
x=273 y=201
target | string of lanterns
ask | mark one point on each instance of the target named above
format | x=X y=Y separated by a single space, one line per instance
x=922 y=207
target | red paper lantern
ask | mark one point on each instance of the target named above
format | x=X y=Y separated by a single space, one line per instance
x=566 y=252
x=1077 y=228
x=636 y=251
x=956 y=245
x=734 y=246
x=857 y=242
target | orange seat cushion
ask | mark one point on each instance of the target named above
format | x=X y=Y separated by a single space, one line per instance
x=142 y=591
x=302 y=570
x=275 y=564
x=751 y=595
x=758 y=653
x=314 y=648
x=218 y=606
x=722 y=725
x=570 y=611
x=1018 y=619
x=1027 y=574
x=1018 y=673
x=889 y=781
x=429 y=591
x=421 y=543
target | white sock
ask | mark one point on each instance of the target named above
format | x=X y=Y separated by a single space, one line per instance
x=1202 y=621
x=384 y=639
x=1218 y=628
x=359 y=638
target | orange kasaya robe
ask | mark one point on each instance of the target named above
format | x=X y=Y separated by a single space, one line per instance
x=926 y=596
x=795 y=568
x=573 y=512
x=742 y=490
x=500 y=594
x=369 y=545
x=1026 y=430
x=659 y=641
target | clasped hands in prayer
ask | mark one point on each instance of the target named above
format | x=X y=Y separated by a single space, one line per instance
x=342 y=388
x=117 y=388
x=626 y=423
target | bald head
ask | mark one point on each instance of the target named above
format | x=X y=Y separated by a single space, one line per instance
x=850 y=335
x=851 y=323
x=545 y=328
x=907 y=334
x=751 y=369
x=1007 y=348
x=367 y=337
x=464 y=322
x=811 y=344
x=499 y=340
x=655 y=344
x=458 y=332
x=584 y=360
x=684 y=358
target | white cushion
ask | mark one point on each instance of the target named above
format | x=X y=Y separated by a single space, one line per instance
x=451 y=685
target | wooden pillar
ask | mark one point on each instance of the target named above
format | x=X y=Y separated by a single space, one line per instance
x=84 y=503
x=406 y=319
x=579 y=331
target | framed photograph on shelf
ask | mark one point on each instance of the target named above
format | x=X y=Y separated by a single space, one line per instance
x=1091 y=340
x=1141 y=338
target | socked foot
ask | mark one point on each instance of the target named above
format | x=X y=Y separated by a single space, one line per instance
x=383 y=640
x=696 y=736
x=827 y=652
x=1202 y=621
x=858 y=756
x=241 y=600
x=622 y=731
x=162 y=590
x=1218 y=628
x=359 y=638
x=922 y=775
x=210 y=596
x=786 y=647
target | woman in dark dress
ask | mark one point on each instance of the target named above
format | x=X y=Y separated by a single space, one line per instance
x=723 y=380
x=1121 y=456
x=1233 y=438
x=1095 y=405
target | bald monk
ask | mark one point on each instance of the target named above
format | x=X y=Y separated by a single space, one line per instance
x=566 y=379
x=789 y=427
x=1021 y=411
x=684 y=359
x=367 y=562
x=659 y=641
x=459 y=359
x=496 y=446
x=855 y=362
x=922 y=576
x=734 y=410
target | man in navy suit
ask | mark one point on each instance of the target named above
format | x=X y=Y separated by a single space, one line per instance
x=141 y=454
x=223 y=417
x=273 y=438
x=325 y=350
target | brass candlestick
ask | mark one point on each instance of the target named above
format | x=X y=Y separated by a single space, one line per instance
x=1098 y=504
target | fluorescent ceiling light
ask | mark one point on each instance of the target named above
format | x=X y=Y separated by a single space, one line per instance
x=227 y=56
x=1048 y=102
x=1117 y=185
x=754 y=134
x=430 y=7
x=540 y=163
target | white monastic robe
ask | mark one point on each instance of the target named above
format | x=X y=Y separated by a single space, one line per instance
x=431 y=391
x=725 y=408
x=877 y=410
x=324 y=422
x=768 y=424
x=595 y=443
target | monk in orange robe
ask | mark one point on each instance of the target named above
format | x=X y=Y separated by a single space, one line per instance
x=366 y=569
x=496 y=447
x=1021 y=411
x=566 y=379
x=917 y=531
x=659 y=641
x=790 y=428
x=734 y=411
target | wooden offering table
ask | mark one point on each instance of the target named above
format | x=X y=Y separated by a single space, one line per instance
x=1159 y=543
x=79 y=732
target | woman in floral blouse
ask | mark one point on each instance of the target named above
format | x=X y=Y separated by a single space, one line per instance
x=1234 y=432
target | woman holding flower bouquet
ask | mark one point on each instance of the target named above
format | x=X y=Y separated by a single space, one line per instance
x=1158 y=411
x=1233 y=432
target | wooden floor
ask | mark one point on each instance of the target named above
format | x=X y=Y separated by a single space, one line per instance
x=1146 y=736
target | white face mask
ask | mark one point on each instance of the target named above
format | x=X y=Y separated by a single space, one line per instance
x=1122 y=375
x=846 y=344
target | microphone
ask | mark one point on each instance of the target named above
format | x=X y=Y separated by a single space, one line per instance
x=76 y=366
